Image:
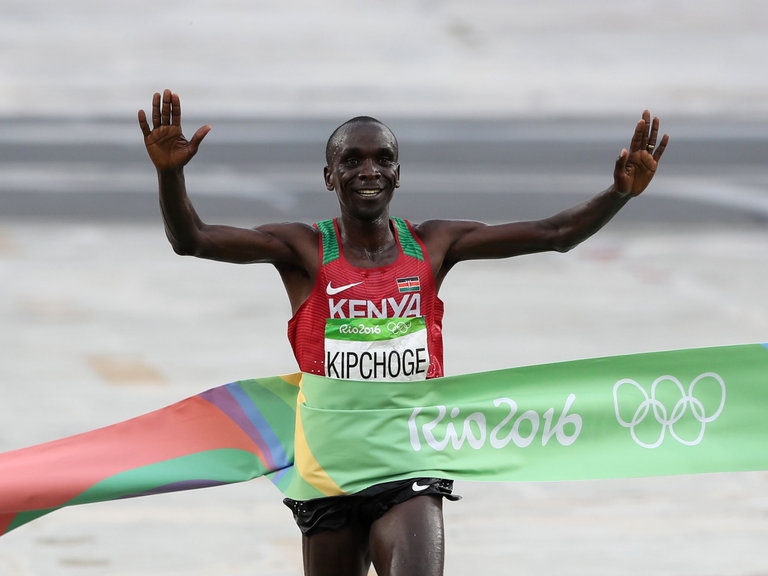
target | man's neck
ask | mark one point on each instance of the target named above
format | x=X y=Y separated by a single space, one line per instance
x=368 y=241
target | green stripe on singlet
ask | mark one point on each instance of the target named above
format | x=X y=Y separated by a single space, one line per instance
x=410 y=246
x=330 y=241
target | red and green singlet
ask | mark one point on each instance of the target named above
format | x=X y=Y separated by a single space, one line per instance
x=379 y=324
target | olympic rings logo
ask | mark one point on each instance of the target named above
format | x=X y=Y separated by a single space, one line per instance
x=669 y=418
x=399 y=327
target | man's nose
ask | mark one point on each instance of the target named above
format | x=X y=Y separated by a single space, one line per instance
x=368 y=169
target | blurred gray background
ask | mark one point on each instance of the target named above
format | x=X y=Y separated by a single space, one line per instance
x=81 y=58
x=504 y=110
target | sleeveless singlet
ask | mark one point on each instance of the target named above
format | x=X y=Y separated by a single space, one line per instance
x=379 y=324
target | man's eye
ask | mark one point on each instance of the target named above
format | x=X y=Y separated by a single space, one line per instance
x=351 y=161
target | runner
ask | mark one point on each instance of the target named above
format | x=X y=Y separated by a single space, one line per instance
x=363 y=292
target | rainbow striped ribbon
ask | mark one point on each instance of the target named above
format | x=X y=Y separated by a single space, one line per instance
x=677 y=412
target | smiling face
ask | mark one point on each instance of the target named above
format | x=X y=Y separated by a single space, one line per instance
x=362 y=168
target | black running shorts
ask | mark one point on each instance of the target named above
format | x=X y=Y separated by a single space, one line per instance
x=366 y=506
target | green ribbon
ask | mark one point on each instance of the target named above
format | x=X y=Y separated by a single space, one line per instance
x=665 y=413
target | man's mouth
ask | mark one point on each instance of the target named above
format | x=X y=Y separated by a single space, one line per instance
x=369 y=192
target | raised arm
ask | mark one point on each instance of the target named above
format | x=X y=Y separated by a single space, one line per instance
x=170 y=151
x=451 y=242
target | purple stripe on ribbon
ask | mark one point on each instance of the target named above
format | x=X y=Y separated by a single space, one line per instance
x=176 y=487
x=279 y=476
x=229 y=400
x=256 y=417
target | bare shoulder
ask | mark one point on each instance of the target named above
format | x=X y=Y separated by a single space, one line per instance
x=453 y=241
x=293 y=234
x=444 y=233
x=440 y=238
x=288 y=243
x=298 y=265
x=289 y=229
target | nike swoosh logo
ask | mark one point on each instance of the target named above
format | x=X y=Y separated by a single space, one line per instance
x=330 y=290
x=416 y=487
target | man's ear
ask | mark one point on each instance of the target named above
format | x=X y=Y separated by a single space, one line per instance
x=397 y=176
x=327 y=177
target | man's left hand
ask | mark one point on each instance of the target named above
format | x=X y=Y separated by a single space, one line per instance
x=635 y=167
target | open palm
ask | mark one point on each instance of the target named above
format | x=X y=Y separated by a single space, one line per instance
x=636 y=167
x=167 y=147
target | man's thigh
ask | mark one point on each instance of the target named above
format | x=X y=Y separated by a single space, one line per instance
x=342 y=552
x=409 y=539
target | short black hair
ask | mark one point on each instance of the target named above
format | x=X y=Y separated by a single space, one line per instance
x=340 y=132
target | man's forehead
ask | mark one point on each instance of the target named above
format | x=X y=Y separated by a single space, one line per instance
x=368 y=132
x=363 y=132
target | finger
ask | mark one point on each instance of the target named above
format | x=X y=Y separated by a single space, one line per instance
x=156 y=110
x=637 y=138
x=654 y=132
x=198 y=136
x=660 y=148
x=166 y=110
x=176 y=110
x=647 y=122
x=621 y=161
x=143 y=124
x=619 y=169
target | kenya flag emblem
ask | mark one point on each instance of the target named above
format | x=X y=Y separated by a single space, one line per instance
x=410 y=284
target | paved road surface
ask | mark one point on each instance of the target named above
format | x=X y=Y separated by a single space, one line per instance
x=101 y=322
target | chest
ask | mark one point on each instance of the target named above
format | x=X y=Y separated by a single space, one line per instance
x=390 y=292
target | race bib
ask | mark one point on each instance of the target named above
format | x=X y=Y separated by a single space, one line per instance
x=378 y=349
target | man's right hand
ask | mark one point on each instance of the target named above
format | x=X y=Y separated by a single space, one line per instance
x=166 y=145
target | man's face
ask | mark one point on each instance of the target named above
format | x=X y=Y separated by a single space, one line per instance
x=364 y=171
